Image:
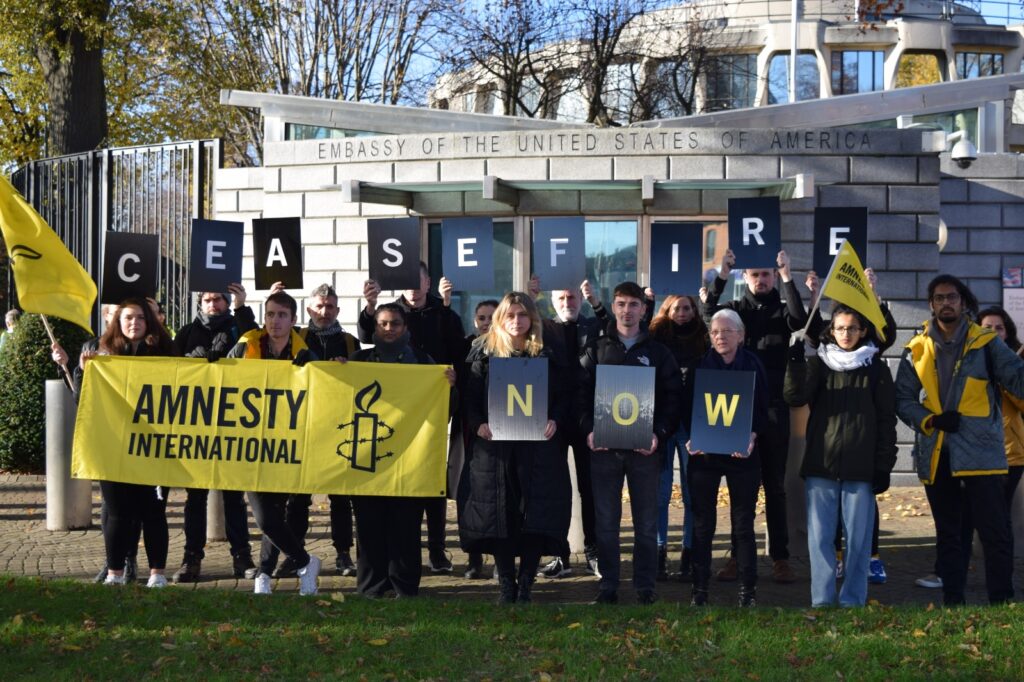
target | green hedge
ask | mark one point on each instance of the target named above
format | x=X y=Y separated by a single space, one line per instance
x=25 y=365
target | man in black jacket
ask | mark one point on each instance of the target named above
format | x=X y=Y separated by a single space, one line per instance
x=436 y=330
x=626 y=343
x=769 y=321
x=214 y=332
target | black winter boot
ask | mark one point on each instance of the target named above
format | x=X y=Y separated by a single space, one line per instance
x=685 y=574
x=748 y=597
x=509 y=591
x=699 y=596
x=662 y=564
x=525 y=586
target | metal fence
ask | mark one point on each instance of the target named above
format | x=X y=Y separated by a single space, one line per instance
x=153 y=189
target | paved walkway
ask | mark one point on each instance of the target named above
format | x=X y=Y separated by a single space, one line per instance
x=27 y=548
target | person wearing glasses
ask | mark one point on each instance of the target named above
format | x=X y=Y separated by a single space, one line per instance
x=851 y=448
x=948 y=391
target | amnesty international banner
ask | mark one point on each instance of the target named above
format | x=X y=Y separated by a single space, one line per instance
x=264 y=425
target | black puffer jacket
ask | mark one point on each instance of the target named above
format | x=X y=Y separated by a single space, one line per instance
x=768 y=323
x=199 y=340
x=515 y=487
x=435 y=329
x=851 y=433
x=646 y=352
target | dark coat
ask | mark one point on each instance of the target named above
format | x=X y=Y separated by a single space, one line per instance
x=330 y=346
x=646 y=352
x=434 y=329
x=851 y=433
x=515 y=487
x=768 y=322
x=197 y=340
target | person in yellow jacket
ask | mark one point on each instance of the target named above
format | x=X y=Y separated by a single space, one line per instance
x=947 y=390
x=278 y=341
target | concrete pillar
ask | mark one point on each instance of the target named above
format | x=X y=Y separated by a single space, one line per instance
x=68 y=500
x=576 y=524
x=215 y=517
x=796 y=509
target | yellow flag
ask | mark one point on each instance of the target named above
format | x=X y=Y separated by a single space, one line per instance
x=359 y=428
x=49 y=279
x=847 y=284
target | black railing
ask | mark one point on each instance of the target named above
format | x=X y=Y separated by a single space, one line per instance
x=154 y=189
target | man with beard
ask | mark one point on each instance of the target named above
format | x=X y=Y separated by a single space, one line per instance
x=214 y=331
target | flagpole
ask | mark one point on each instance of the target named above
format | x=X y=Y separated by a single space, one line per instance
x=64 y=368
x=821 y=292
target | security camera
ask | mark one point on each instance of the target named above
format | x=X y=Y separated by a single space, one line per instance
x=964 y=153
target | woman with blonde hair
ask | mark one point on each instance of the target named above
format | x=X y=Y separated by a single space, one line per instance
x=519 y=502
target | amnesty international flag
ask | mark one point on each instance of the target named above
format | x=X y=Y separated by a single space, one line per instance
x=847 y=284
x=49 y=279
x=264 y=425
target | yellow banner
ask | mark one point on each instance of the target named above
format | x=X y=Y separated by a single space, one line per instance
x=847 y=284
x=264 y=425
x=49 y=279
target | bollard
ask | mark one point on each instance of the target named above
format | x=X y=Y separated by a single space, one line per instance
x=576 y=524
x=68 y=500
x=215 y=517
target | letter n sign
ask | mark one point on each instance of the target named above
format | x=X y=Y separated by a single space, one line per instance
x=832 y=226
x=216 y=258
x=624 y=407
x=723 y=410
x=467 y=253
x=559 y=252
x=277 y=252
x=517 y=398
x=393 y=246
x=131 y=263
x=755 y=232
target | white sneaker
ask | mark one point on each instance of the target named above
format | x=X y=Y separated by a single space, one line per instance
x=932 y=582
x=112 y=579
x=157 y=580
x=308 y=576
x=262 y=584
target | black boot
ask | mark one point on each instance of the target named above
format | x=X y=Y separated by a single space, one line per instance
x=509 y=590
x=475 y=566
x=525 y=585
x=189 y=571
x=685 y=574
x=748 y=596
x=662 y=564
x=699 y=596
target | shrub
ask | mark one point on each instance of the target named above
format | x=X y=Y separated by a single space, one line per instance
x=25 y=365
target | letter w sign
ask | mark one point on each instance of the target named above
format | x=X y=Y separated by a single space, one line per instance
x=723 y=409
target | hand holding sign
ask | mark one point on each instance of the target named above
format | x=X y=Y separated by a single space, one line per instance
x=445 y=289
x=371 y=291
x=782 y=263
x=737 y=455
x=728 y=260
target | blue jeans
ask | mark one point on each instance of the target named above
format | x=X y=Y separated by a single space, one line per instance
x=676 y=448
x=824 y=498
x=641 y=473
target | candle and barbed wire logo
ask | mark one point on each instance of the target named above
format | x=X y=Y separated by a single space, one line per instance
x=368 y=431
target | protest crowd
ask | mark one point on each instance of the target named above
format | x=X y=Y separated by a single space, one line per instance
x=959 y=386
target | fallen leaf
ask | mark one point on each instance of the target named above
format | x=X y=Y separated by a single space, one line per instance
x=168 y=646
x=378 y=642
x=225 y=627
x=573 y=626
x=322 y=602
x=919 y=633
x=17 y=620
x=337 y=596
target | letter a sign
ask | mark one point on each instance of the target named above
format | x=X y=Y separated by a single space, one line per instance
x=624 y=407
x=723 y=409
x=755 y=232
x=216 y=258
x=277 y=252
x=467 y=253
x=393 y=246
x=517 y=398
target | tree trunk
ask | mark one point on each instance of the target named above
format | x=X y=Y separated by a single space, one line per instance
x=77 y=95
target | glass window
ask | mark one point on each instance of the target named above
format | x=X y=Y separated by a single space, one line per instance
x=610 y=247
x=529 y=100
x=710 y=244
x=671 y=84
x=463 y=302
x=731 y=82
x=978 y=64
x=808 y=83
x=572 y=106
x=856 y=71
x=919 y=68
x=300 y=131
x=620 y=90
x=469 y=101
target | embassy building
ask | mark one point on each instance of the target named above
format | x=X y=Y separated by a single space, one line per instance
x=933 y=207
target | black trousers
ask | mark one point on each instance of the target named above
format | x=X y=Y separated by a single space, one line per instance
x=743 y=482
x=530 y=548
x=129 y=506
x=236 y=522
x=581 y=455
x=773 y=448
x=956 y=503
x=341 y=522
x=436 y=509
x=270 y=510
x=389 y=544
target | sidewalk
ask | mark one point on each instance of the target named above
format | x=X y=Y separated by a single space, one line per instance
x=907 y=547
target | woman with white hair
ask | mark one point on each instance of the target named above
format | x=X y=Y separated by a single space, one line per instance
x=742 y=470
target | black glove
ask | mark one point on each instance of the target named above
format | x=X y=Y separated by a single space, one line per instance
x=214 y=355
x=221 y=342
x=880 y=482
x=198 y=352
x=948 y=421
x=796 y=351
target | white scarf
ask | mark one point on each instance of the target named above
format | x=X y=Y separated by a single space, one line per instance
x=839 y=360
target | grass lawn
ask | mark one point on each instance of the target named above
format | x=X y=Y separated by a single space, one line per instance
x=69 y=630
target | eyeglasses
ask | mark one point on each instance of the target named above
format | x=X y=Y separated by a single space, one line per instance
x=948 y=298
x=846 y=330
x=723 y=332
